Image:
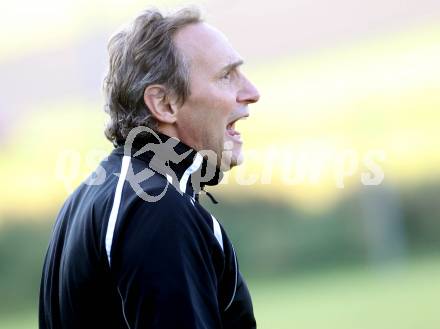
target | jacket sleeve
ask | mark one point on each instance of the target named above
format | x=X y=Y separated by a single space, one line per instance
x=163 y=267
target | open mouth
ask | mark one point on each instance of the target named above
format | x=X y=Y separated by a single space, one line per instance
x=232 y=132
x=230 y=129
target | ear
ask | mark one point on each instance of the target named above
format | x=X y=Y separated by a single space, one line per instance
x=159 y=104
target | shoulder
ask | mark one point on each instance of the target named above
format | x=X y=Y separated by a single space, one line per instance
x=166 y=206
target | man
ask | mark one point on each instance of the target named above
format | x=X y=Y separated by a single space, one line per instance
x=132 y=247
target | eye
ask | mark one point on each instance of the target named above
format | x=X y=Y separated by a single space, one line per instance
x=227 y=76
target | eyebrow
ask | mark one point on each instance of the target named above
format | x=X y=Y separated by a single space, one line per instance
x=232 y=66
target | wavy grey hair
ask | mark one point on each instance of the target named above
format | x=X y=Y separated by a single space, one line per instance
x=141 y=55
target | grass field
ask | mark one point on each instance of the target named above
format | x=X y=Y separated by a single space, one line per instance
x=405 y=296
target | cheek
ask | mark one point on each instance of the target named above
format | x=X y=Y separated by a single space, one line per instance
x=211 y=115
x=216 y=101
x=207 y=110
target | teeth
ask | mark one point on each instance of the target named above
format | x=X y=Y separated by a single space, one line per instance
x=231 y=125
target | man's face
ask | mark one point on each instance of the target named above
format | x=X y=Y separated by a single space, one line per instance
x=219 y=93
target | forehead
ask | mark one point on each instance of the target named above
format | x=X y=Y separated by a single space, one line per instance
x=205 y=46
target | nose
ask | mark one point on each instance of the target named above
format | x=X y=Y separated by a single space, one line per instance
x=248 y=94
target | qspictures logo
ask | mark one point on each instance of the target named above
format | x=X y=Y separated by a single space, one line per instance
x=293 y=167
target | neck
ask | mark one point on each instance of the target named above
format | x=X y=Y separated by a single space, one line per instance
x=183 y=166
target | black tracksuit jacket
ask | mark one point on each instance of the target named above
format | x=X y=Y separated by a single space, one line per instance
x=118 y=261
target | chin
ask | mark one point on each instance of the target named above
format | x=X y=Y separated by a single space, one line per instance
x=230 y=160
x=237 y=159
x=231 y=154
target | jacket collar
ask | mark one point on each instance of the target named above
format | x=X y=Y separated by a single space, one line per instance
x=184 y=167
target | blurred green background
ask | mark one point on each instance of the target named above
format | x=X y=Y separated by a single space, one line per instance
x=348 y=89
